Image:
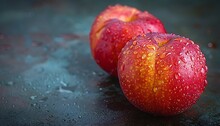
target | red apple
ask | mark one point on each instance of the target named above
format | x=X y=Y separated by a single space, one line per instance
x=113 y=28
x=163 y=74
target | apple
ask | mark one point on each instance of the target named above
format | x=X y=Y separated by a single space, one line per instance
x=163 y=74
x=115 y=26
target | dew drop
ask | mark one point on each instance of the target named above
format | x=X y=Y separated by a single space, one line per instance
x=159 y=72
x=171 y=47
x=203 y=70
x=33 y=97
x=150 y=54
x=205 y=82
x=144 y=56
x=192 y=58
x=168 y=54
x=162 y=55
x=183 y=59
x=151 y=47
x=206 y=68
x=135 y=52
x=166 y=68
x=177 y=75
x=10 y=83
x=187 y=52
x=134 y=42
x=155 y=89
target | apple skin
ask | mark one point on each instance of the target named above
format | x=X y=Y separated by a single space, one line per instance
x=162 y=74
x=115 y=26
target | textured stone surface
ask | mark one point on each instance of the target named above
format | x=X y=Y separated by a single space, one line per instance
x=48 y=77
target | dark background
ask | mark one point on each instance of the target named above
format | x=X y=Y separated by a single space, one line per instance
x=48 y=76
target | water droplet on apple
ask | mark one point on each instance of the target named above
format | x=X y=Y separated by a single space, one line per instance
x=135 y=52
x=166 y=68
x=162 y=55
x=168 y=54
x=160 y=71
x=192 y=58
x=134 y=43
x=205 y=83
x=206 y=68
x=171 y=47
x=143 y=56
x=150 y=54
x=182 y=58
x=177 y=75
x=155 y=89
x=151 y=47
x=187 y=52
x=203 y=70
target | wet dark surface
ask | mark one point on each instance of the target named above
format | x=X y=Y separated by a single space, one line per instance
x=48 y=77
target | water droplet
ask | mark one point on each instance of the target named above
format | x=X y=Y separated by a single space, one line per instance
x=63 y=83
x=124 y=52
x=166 y=68
x=160 y=71
x=93 y=73
x=203 y=70
x=192 y=58
x=183 y=59
x=33 y=97
x=155 y=89
x=151 y=47
x=168 y=54
x=134 y=42
x=10 y=83
x=33 y=105
x=162 y=55
x=135 y=52
x=177 y=75
x=144 y=56
x=24 y=89
x=171 y=47
x=43 y=99
x=150 y=54
x=206 y=68
x=187 y=52
x=205 y=82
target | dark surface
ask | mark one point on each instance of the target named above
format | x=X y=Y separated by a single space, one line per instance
x=48 y=77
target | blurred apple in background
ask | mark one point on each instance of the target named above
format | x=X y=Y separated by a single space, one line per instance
x=115 y=26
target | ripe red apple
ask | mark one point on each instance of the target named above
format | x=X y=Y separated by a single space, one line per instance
x=163 y=74
x=113 y=28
